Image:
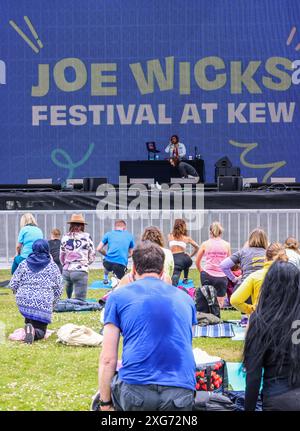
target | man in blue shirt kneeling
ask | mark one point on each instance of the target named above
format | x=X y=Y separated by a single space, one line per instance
x=119 y=244
x=156 y=321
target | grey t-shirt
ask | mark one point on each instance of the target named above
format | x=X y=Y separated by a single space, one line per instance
x=250 y=258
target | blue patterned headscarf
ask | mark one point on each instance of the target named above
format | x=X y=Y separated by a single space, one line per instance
x=40 y=257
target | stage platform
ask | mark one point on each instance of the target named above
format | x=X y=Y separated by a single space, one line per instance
x=213 y=199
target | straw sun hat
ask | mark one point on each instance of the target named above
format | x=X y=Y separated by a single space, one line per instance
x=77 y=218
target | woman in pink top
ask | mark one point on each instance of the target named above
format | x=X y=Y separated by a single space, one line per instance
x=215 y=250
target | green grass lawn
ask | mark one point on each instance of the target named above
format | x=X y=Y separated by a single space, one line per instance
x=51 y=376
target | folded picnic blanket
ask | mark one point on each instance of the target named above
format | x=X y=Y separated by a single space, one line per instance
x=221 y=330
x=67 y=305
x=205 y=319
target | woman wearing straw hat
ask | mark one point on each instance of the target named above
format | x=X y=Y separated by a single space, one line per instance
x=77 y=252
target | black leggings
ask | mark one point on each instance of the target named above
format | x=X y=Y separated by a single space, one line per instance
x=40 y=328
x=219 y=283
x=118 y=269
x=182 y=262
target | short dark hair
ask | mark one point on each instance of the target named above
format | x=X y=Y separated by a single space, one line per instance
x=119 y=222
x=148 y=257
x=176 y=137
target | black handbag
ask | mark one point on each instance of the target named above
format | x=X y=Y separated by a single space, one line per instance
x=206 y=300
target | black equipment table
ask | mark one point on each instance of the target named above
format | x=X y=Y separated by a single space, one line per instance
x=160 y=170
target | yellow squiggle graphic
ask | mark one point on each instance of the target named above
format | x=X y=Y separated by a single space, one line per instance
x=249 y=147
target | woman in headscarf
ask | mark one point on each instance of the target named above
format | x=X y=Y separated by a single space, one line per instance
x=37 y=284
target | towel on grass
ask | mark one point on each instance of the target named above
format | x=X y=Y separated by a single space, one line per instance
x=75 y=335
x=19 y=334
x=221 y=330
x=68 y=305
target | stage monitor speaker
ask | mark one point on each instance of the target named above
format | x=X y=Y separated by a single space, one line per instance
x=224 y=162
x=235 y=171
x=91 y=184
x=227 y=172
x=230 y=184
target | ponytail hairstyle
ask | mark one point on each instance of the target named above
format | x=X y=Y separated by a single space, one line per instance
x=292 y=244
x=216 y=229
x=179 y=228
x=275 y=252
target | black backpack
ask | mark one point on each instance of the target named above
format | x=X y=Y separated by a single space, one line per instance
x=206 y=300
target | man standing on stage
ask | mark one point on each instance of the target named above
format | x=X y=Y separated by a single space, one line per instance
x=120 y=244
x=175 y=148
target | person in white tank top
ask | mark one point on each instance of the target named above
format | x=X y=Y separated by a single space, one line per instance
x=215 y=250
x=178 y=241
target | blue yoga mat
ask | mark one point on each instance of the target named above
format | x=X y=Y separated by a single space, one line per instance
x=236 y=377
x=187 y=285
x=98 y=284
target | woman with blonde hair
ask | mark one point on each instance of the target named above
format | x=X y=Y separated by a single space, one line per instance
x=251 y=257
x=250 y=288
x=291 y=246
x=215 y=250
x=178 y=241
x=29 y=233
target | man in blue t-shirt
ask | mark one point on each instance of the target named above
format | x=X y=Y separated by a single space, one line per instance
x=119 y=244
x=156 y=321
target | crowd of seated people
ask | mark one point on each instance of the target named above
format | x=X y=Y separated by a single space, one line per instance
x=156 y=319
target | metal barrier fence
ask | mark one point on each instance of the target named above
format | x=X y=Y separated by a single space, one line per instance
x=279 y=224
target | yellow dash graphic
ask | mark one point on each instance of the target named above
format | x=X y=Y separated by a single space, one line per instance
x=25 y=37
x=33 y=31
x=273 y=167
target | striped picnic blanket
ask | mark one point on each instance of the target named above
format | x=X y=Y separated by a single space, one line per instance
x=221 y=330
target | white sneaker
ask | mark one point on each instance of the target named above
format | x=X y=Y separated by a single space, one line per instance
x=158 y=186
